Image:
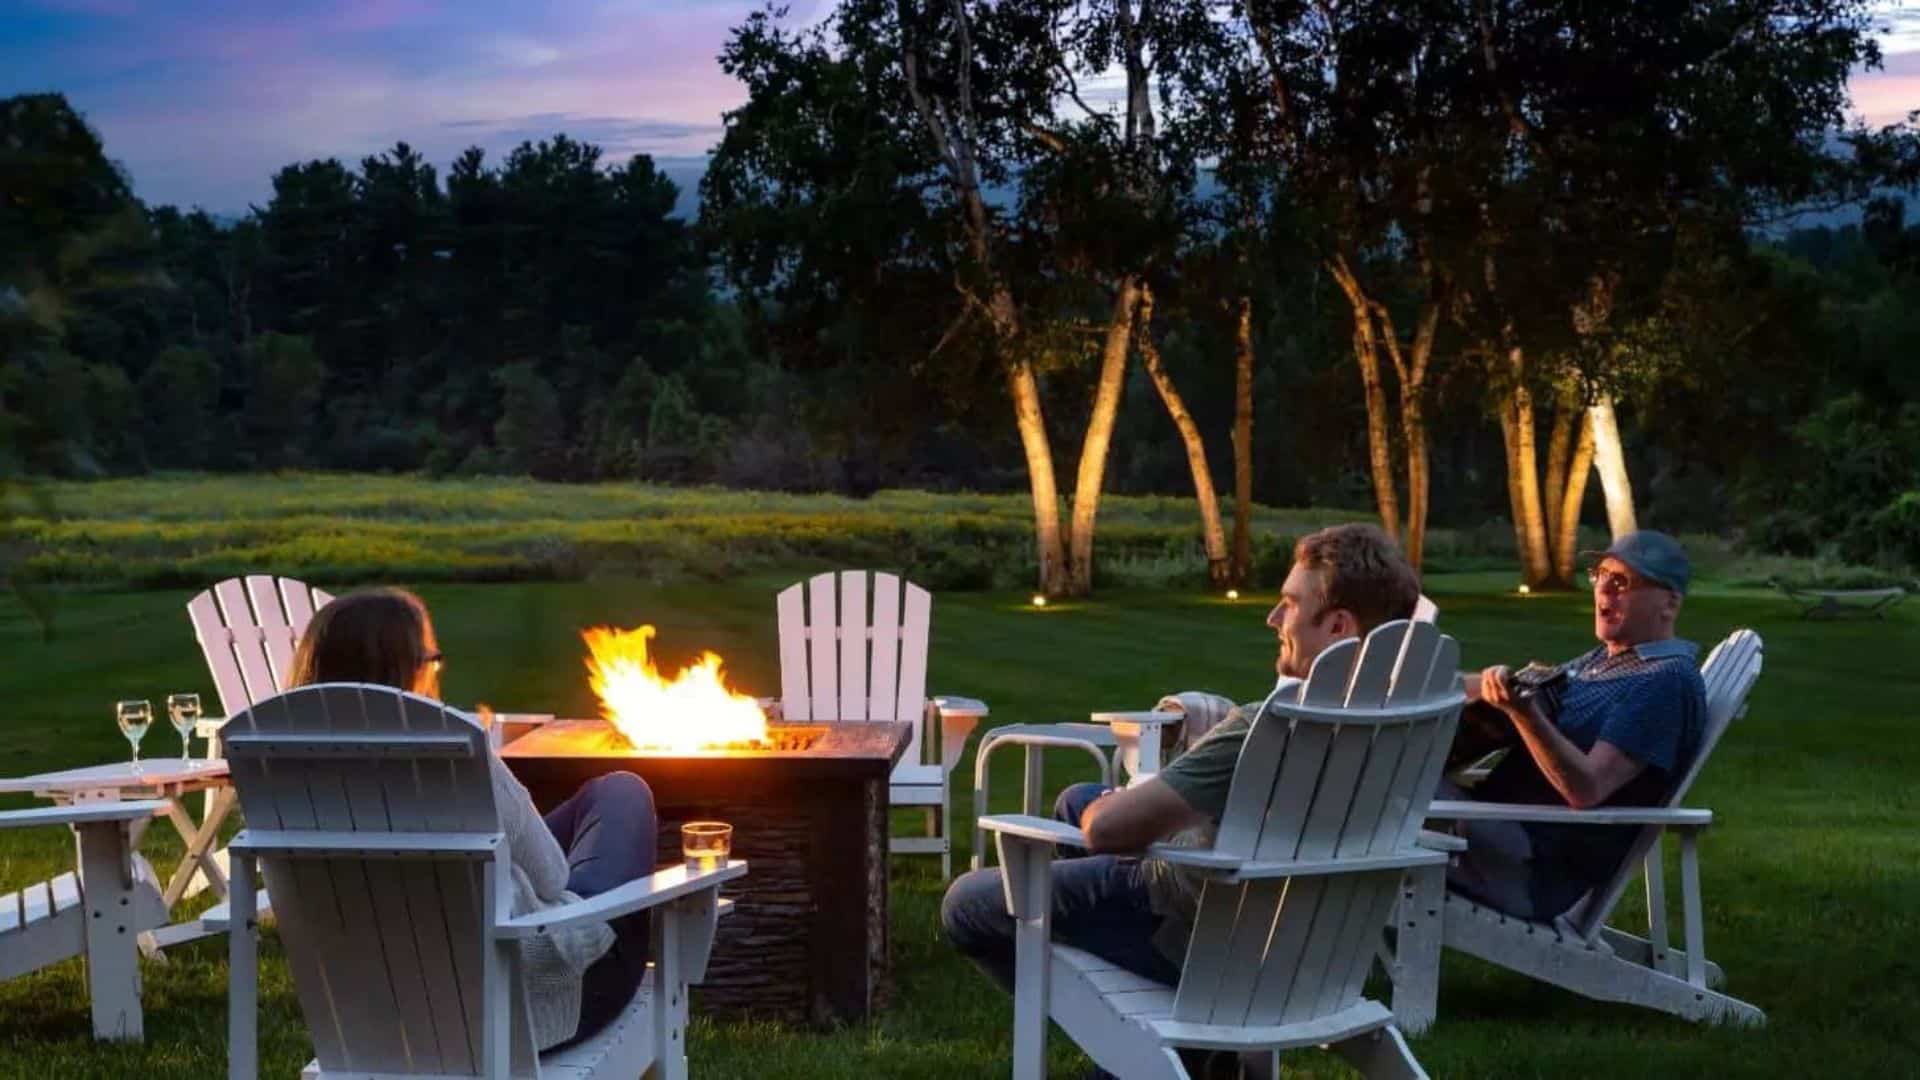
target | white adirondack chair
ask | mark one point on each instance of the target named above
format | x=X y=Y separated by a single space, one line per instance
x=1578 y=950
x=1321 y=821
x=371 y=813
x=853 y=653
x=1133 y=744
x=248 y=629
x=97 y=912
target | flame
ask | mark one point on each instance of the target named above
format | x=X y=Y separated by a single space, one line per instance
x=694 y=710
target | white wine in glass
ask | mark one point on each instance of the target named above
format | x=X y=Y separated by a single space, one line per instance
x=184 y=711
x=135 y=718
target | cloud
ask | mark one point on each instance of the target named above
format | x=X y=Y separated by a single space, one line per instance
x=523 y=52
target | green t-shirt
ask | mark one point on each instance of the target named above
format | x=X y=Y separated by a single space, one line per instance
x=1201 y=777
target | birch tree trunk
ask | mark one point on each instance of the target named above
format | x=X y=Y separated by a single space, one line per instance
x=1099 y=439
x=1212 y=535
x=1243 y=444
x=1379 y=425
x=1024 y=389
x=1559 y=446
x=1523 y=478
x=1610 y=461
x=1566 y=533
x=952 y=125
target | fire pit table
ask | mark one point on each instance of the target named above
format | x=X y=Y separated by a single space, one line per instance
x=807 y=940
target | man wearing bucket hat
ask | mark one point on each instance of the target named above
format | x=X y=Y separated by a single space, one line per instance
x=1613 y=727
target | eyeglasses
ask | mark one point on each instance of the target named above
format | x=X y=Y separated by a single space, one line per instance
x=437 y=659
x=1613 y=582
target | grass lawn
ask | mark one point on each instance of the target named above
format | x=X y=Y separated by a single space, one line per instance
x=1810 y=876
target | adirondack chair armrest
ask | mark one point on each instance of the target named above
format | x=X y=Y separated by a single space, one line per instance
x=1030 y=827
x=1470 y=810
x=1439 y=841
x=956 y=717
x=640 y=894
x=135 y=810
x=951 y=705
x=1234 y=868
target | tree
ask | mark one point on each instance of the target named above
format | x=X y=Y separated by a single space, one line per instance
x=1362 y=122
x=1618 y=131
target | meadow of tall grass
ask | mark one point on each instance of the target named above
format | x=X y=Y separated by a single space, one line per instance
x=184 y=530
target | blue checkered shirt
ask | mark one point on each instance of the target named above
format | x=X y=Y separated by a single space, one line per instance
x=1649 y=702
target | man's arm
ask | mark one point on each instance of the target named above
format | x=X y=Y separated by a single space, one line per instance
x=1585 y=778
x=1126 y=821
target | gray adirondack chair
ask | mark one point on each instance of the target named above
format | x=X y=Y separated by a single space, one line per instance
x=1117 y=742
x=371 y=813
x=1321 y=822
x=1579 y=950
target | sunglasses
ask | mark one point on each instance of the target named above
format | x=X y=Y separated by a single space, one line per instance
x=1613 y=582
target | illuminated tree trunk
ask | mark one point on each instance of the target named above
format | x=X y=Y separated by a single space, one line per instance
x=1610 y=461
x=1099 y=439
x=1566 y=536
x=1024 y=389
x=1212 y=535
x=1243 y=444
x=1523 y=478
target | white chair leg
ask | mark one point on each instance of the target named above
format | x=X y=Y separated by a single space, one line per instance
x=1415 y=965
x=1381 y=1055
x=669 y=994
x=1028 y=869
x=113 y=961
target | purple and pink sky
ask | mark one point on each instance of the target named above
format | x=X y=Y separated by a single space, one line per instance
x=202 y=100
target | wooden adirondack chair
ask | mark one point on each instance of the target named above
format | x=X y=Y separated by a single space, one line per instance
x=371 y=813
x=1321 y=821
x=1578 y=950
x=1133 y=746
x=845 y=659
x=97 y=912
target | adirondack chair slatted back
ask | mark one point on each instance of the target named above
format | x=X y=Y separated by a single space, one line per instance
x=1347 y=772
x=846 y=654
x=387 y=951
x=1730 y=672
x=248 y=628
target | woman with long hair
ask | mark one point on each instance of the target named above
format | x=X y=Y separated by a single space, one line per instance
x=578 y=978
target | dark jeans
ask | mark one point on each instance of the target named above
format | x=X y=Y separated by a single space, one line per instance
x=1099 y=904
x=608 y=830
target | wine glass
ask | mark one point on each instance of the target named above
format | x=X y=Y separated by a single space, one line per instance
x=135 y=718
x=184 y=711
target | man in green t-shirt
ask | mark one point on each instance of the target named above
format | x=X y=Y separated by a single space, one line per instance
x=1134 y=912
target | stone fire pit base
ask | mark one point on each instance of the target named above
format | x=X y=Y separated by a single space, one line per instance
x=807 y=940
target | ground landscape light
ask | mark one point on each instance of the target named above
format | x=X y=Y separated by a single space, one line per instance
x=1524 y=590
x=1233 y=594
x=1039 y=600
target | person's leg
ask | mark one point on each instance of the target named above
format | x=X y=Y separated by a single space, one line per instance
x=1099 y=904
x=1072 y=802
x=608 y=830
x=1497 y=867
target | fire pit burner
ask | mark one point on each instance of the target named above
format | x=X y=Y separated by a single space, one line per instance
x=781 y=739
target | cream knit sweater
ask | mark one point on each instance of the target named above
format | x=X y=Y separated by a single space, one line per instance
x=553 y=963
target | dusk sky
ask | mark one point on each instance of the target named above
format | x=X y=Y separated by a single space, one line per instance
x=203 y=101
